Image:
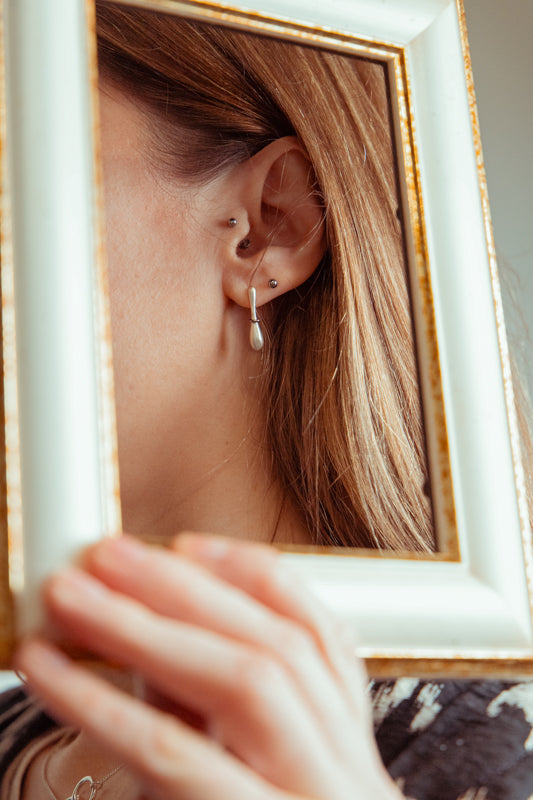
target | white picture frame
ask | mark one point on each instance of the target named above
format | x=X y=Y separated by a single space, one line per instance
x=465 y=611
x=60 y=442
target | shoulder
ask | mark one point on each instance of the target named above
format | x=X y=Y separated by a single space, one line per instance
x=22 y=719
x=456 y=740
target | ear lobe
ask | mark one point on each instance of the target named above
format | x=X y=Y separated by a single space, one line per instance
x=285 y=228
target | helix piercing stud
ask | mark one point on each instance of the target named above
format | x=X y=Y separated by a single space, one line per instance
x=232 y=222
x=272 y=283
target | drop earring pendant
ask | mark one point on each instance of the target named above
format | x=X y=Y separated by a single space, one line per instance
x=256 y=334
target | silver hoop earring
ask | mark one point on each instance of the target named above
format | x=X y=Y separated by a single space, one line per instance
x=256 y=334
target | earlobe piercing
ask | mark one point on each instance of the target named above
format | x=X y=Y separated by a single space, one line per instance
x=256 y=335
x=272 y=283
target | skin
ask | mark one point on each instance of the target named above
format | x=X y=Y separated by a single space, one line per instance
x=252 y=691
x=189 y=456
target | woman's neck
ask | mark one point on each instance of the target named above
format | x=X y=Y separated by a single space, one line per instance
x=218 y=479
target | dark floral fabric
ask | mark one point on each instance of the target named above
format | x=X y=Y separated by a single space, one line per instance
x=456 y=740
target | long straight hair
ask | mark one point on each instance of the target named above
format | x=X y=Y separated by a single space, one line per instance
x=340 y=381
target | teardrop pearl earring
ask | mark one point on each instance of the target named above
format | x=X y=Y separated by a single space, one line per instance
x=256 y=335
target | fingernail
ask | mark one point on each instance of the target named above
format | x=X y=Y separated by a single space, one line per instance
x=208 y=548
x=112 y=551
x=73 y=587
x=36 y=658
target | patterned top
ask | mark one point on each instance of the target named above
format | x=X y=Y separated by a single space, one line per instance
x=454 y=740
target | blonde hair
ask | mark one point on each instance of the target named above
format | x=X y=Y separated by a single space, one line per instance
x=340 y=381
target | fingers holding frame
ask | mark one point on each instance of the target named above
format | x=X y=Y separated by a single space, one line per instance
x=256 y=570
x=222 y=628
x=249 y=698
x=259 y=571
x=169 y=758
x=246 y=592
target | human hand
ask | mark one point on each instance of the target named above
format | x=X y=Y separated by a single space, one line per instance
x=224 y=629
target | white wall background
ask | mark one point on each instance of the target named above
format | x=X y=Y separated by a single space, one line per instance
x=501 y=43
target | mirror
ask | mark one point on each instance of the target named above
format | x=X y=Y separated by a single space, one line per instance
x=319 y=441
x=472 y=596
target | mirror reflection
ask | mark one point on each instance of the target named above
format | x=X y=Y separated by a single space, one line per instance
x=266 y=379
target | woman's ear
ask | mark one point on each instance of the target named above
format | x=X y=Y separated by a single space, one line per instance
x=279 y=237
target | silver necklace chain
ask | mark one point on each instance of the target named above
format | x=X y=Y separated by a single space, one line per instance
x=85 y=789
x=91 y=784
